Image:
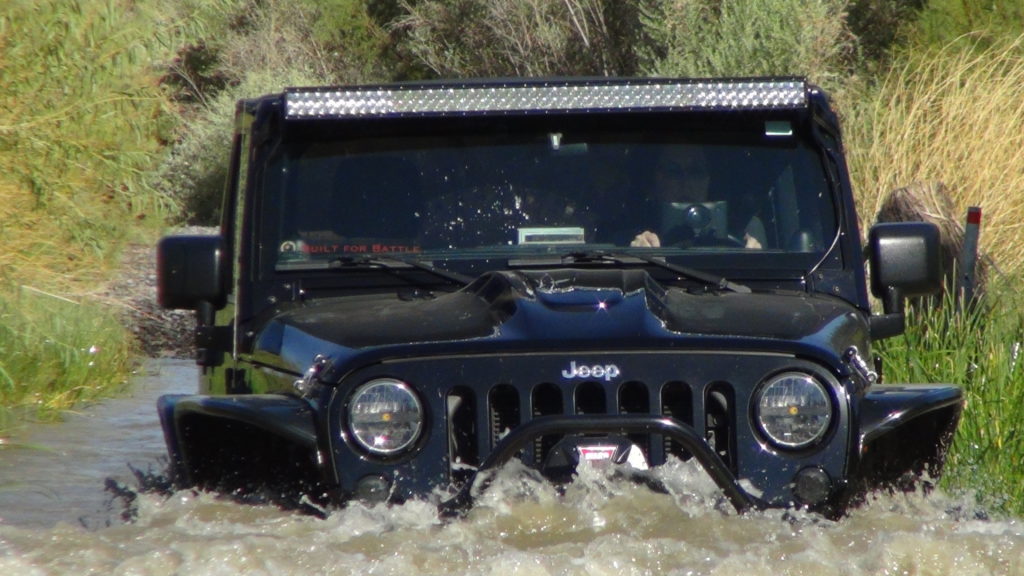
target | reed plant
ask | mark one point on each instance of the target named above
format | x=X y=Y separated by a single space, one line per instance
x=80 y=127
x=978 y=347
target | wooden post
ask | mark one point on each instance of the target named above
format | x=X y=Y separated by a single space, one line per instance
x=969 y=253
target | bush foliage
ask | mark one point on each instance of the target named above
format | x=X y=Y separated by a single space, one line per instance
x=248 y=48
x=467 y=38
x=783 y=37
x=988 y=23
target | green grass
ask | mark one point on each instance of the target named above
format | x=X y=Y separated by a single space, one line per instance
x=57 y=353
x=979 y=349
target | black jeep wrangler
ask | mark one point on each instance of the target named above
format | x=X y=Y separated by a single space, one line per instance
x=414 y=284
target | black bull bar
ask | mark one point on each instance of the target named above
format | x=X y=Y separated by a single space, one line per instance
x=685 y=435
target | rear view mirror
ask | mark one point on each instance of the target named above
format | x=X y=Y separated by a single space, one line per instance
x=904 y=260
x=190 y=272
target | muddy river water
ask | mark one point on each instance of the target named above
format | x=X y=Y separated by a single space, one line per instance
x=56 y=517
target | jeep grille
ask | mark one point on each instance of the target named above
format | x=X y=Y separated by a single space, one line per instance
x=493 y=395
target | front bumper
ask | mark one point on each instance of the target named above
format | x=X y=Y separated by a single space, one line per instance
x=523 y=436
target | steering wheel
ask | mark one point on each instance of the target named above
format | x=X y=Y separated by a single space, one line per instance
x=693 y=228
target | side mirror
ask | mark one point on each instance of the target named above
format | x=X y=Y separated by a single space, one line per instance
x=191 y=272
x=905 y=262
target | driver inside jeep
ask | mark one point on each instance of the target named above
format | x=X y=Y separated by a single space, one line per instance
x=684 y=213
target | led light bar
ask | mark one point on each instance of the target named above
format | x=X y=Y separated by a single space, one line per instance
x=546 y=97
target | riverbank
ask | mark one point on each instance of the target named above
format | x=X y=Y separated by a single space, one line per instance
x=158 y=333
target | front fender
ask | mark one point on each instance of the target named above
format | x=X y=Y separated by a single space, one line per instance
x=906 y=430
x=214 y=439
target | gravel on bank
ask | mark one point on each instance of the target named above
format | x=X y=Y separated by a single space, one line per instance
x=159 y=332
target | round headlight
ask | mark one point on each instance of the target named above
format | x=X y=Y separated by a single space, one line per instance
x=385 y=416
x=793 y=410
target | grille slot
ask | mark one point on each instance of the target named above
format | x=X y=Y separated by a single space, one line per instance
x=503 y=411
x=463 y=439
x=547 y=400
x=720 y=422
x=634 y=398
x=676 y=402
x=590 y=399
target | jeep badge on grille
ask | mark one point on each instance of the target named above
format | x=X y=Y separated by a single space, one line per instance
x=607 y=371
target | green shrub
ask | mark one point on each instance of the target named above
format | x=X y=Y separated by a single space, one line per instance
x=777 y=37
x=879 y=25
x=989 y=22
x=480 y=38
x=195 y=171
x=249 y=48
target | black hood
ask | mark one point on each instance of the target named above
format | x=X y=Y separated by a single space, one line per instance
x=574 y=307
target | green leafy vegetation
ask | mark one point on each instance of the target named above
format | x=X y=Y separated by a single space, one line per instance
x=466 y=38
x=784 y=37
x=247 y=48
x=988 y=22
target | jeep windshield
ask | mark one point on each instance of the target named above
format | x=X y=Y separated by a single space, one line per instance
x=719 y=191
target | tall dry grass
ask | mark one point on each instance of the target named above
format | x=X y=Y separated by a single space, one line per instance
x=955 y=115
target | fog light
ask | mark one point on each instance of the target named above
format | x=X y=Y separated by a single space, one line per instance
x=373 y=489
x=812 y=486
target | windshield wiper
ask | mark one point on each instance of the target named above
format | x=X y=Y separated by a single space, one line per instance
x=719 y=282
x=387 y=263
